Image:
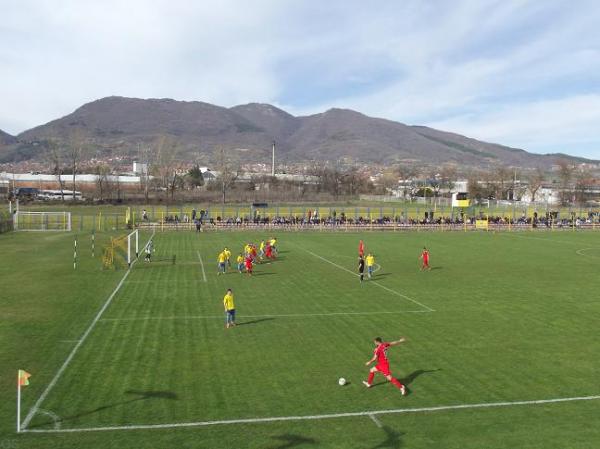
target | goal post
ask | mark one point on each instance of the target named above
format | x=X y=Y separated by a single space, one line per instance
x=41 y=221
x=133 y=239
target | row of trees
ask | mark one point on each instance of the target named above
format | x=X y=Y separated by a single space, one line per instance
x=510 y=183
x=168 y=173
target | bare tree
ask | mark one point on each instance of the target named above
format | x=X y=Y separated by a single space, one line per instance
x=75 y=152
x=229 y=170
x=502 y=176
x=102 y=184
x=448 y=175
x=536 y=180
x=166 y=165
x=353 y=181
x=405 y=173
x=478 y=185
x=389 y=180
x=54 y=158
x=583 y=179
x=565 y=175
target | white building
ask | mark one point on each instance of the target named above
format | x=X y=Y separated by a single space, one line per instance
x=547 y=195
x=140 y=168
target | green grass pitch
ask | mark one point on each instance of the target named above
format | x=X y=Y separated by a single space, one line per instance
x=500 y=318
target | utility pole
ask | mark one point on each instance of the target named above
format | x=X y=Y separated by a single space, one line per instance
x=273 y=161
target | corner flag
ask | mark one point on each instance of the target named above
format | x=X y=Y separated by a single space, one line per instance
x=22 y=380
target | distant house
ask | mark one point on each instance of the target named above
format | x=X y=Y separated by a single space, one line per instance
x=140 y=168
x=208 y=175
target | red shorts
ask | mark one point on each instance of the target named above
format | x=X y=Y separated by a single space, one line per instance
x=384 y=369
x=425 y=261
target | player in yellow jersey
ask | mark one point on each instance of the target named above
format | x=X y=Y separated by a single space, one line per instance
x=240 y=263
x=261 y=249
x=229 y=309
x=370 y=263
x=227 y=257
x=221 y=259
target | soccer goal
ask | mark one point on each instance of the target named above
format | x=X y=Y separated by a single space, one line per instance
x=41 y=221
x=120 y=250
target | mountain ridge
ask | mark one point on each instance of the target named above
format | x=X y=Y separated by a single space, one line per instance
x=121 y=124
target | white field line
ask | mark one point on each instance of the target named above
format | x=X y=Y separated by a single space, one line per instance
x=318 y=417
x=375 y=420
x=81 y=340
x=288 y=315
x=427 y=308
x=581 y=252
x=202 y=265
x=165 y=281
x=55 y=418
x=527 y=237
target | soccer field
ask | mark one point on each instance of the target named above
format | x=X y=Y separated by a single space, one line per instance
x=502 y=351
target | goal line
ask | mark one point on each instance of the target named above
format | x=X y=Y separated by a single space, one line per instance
x=368 y=414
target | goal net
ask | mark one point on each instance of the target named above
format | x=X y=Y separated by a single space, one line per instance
x=121 y=251
x=41 y=221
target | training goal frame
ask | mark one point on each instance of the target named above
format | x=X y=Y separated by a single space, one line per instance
x=41 y=221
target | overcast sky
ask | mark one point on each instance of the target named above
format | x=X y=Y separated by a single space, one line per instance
x=520 y=73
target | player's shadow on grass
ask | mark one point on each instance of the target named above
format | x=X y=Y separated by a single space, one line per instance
x=262 y=274
x=393 y=440
x=139 y=396
x=243 y=323
x=378 y=275
x=410 y=378
x=413 y=376
x=291 y=440
x=436 y=268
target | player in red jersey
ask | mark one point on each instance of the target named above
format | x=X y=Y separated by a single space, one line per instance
x=361 y=249
x=425 y=257
x=383 y=365
x=249 y=265
x=268 y=251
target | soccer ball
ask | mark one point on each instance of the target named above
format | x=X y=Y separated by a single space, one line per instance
x=342 y=381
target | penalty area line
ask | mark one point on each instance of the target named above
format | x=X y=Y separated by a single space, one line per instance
x=429 y=309
x=284 y=315
x=370 y=414
x=201 y=265
x=80 y=342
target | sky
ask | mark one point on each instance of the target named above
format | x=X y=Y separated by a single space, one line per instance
x=520 y=73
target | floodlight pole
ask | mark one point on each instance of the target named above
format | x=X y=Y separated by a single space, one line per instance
x=273 y=161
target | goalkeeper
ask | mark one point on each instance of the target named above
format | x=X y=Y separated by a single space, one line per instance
x=149 y=250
